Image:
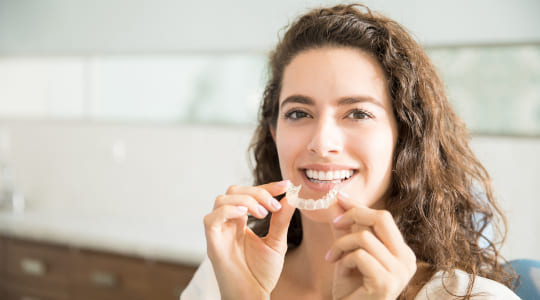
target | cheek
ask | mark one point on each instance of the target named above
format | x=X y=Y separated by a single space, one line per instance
x=286 y=148
x=375 y=151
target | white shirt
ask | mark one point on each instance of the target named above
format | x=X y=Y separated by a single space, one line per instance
x=203 y=286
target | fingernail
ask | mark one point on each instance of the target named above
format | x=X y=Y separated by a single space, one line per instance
x=284 y=183
x=275 y=204
x=327 y=257
x=262 y=210
x=242 y=209
x=336 y=220
x=343 y=195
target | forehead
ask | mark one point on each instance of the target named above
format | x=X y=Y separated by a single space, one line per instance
x=327 y=74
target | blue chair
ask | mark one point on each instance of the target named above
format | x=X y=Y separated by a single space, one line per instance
x=529 y=278
x=527 y=269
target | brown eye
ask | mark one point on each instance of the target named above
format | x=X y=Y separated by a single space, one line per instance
x=297 y=114
x=358 y=114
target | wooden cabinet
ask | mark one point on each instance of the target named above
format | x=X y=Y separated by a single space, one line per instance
x=2 y=265
x=36 y=270
x=33 y=270
x=102 y=276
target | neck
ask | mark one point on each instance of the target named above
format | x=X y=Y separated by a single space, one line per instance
x=311 y=269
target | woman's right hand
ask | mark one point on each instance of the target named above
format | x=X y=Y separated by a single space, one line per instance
x=247 y=266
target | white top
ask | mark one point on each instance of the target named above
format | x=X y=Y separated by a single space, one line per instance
x=204 y=286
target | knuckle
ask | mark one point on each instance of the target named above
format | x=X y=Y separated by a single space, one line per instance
x=355 y=210
x=360 y=254
x=262 y=194
x=391 y=286
x=412 y=269
x=385 y=216
x=411 y=266
x=207 y=220
x=381 y=284
x=220 y=200
x=363 y=235
x=232 y=189
x=412 y=256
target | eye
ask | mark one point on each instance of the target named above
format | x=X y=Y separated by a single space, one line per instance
x=296 y=114
x=358 y=114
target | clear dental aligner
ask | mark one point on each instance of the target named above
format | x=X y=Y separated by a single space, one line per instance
x=310 y=204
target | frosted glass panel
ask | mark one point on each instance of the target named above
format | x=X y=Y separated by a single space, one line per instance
x=42 y=87
x=224 y=89
x=494 y=89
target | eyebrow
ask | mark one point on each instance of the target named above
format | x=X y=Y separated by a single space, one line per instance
x=348 y=100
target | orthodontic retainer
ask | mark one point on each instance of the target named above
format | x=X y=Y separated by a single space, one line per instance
x=309 y=204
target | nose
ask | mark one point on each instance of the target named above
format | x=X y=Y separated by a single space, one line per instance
x=327 y=139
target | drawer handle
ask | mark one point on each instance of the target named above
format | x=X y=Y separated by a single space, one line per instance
x=28 y=298
x=33 y=266
x=104 y=279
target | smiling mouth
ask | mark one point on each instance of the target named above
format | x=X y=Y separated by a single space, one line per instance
x=335 y=176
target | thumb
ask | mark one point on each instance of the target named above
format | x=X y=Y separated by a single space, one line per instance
x=337 y=210
x=279 y=226
x=276 y=188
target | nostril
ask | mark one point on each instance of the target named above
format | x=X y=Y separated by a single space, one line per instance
x=323 y=149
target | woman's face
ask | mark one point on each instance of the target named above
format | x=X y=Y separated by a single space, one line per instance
x=335 y=121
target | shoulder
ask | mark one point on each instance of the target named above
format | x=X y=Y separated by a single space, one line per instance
x=203 y=285
x=457 y=283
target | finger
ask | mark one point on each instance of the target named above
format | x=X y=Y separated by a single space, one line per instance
x=335 y=211
x=262 y=193
x=279 y=226
x=381 y=221
x=366 y=240
x=277 y=187
x=345 y=202
x=254 y=207
x=215 y=220
x=366 y=264
x=224 y=218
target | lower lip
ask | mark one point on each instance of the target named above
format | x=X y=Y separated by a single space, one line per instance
x=322 y=187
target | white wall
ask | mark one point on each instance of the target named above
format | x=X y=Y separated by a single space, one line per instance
x=514 y=164
x=140 y=26
x=177 y=171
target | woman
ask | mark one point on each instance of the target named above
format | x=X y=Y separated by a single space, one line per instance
x=353 y=103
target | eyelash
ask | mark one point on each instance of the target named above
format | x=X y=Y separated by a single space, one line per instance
x=365 y=114
x=290 y=114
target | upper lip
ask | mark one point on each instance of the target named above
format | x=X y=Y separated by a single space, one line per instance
x=326 y=167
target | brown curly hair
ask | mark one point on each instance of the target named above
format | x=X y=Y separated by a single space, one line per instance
x=440 y=194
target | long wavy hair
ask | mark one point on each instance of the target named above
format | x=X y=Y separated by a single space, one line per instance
x=440 y=194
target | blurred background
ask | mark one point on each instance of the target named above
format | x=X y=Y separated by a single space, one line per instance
x=121 y=121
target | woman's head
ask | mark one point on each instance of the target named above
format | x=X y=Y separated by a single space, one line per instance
x=408 y=72
x=415 y=92
x=336 y=127
x=435 y=177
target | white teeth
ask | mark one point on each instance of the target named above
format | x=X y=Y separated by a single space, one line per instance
x=329 y=176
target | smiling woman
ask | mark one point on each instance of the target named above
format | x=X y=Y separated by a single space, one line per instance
x=346 y=124
x=354 y=105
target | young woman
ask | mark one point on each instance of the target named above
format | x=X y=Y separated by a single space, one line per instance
x=354 y=104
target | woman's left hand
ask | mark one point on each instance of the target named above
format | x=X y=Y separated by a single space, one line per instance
x=372 y=259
